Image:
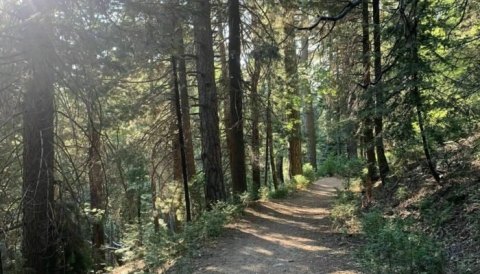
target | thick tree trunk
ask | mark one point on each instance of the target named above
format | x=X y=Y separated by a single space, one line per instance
x=255 y=132
x=97 y=201
x=368 y=137
x=309 y=109
x=211 y=151
x=379 y=98
x=237 y=147
x=39 y=245
x=181 y=140
x=224 y=85
x=291 y=70
x=179 y=49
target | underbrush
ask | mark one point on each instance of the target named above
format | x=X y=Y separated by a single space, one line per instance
x=389 y=244
x=346 y=211
x=298 y=182
x=341 y=166
x=159 y=247
x=393 y=246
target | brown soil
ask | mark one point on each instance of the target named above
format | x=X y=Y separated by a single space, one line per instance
x=293 y=235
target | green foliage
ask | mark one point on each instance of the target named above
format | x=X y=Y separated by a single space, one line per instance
x=161 y=246
x=309 y=172
x=280 y=193
x=346 y=210
x=341 y=166
x=393 y=247
x=401 y=193
x=301 y=182
x=436 y=213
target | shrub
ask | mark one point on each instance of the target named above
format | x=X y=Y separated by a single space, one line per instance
x=163 y=245
x=329 y=167
x=345 y=211
x=300 y=181
x=392 y=247
x=308 y=172
x=280 y=193
x=341 y=166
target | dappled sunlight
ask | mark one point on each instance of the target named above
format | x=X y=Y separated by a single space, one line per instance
x=288 y=236
x=287 y=241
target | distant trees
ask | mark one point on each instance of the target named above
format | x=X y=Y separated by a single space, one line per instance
x=113 y=113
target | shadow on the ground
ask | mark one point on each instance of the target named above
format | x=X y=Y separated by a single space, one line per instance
x=282 y=236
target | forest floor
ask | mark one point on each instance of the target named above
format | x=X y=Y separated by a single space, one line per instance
x=292 y=235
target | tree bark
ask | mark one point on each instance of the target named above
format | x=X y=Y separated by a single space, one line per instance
x=255 y=132
x=39 y=245
x=224 y=84
x=179 y=52
x=309 y=109
x=153 y=188
x=211 y=151
x=269 y=141
x=237 y=147
x=291 y=70
x=181 y=140
x=97 y=201
x=379 y=98
x=279 y=170
x=368 y=137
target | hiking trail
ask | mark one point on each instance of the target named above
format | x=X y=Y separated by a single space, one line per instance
x=292 y=235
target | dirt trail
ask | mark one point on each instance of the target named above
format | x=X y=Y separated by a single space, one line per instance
x=293 y=235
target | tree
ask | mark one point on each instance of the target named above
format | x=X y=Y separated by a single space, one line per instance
x=39 y=243
x=411 y=22
x=179 y=51
x=379 y=96
x=181 y=138
x=310 y=127
x=368 y=139
x=237 y=147
x=293 y=104
x=95 y=177
x=211 y=152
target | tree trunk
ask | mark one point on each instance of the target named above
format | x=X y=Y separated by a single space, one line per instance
x=97 y=202
x=309 y=110
x=279 y=170
x=237 y=147
x=418 y=102
x=181 y=140
x=211 y=152
x=224 y=84
x=379 y=98
x=153 y=188
x=39 y=245
x=255 y=133
x=412 y=43
x=291 y=70
x=368 y=137
x=269 y=141
x=179 y=48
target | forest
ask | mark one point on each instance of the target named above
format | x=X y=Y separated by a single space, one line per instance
x=228 y=136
